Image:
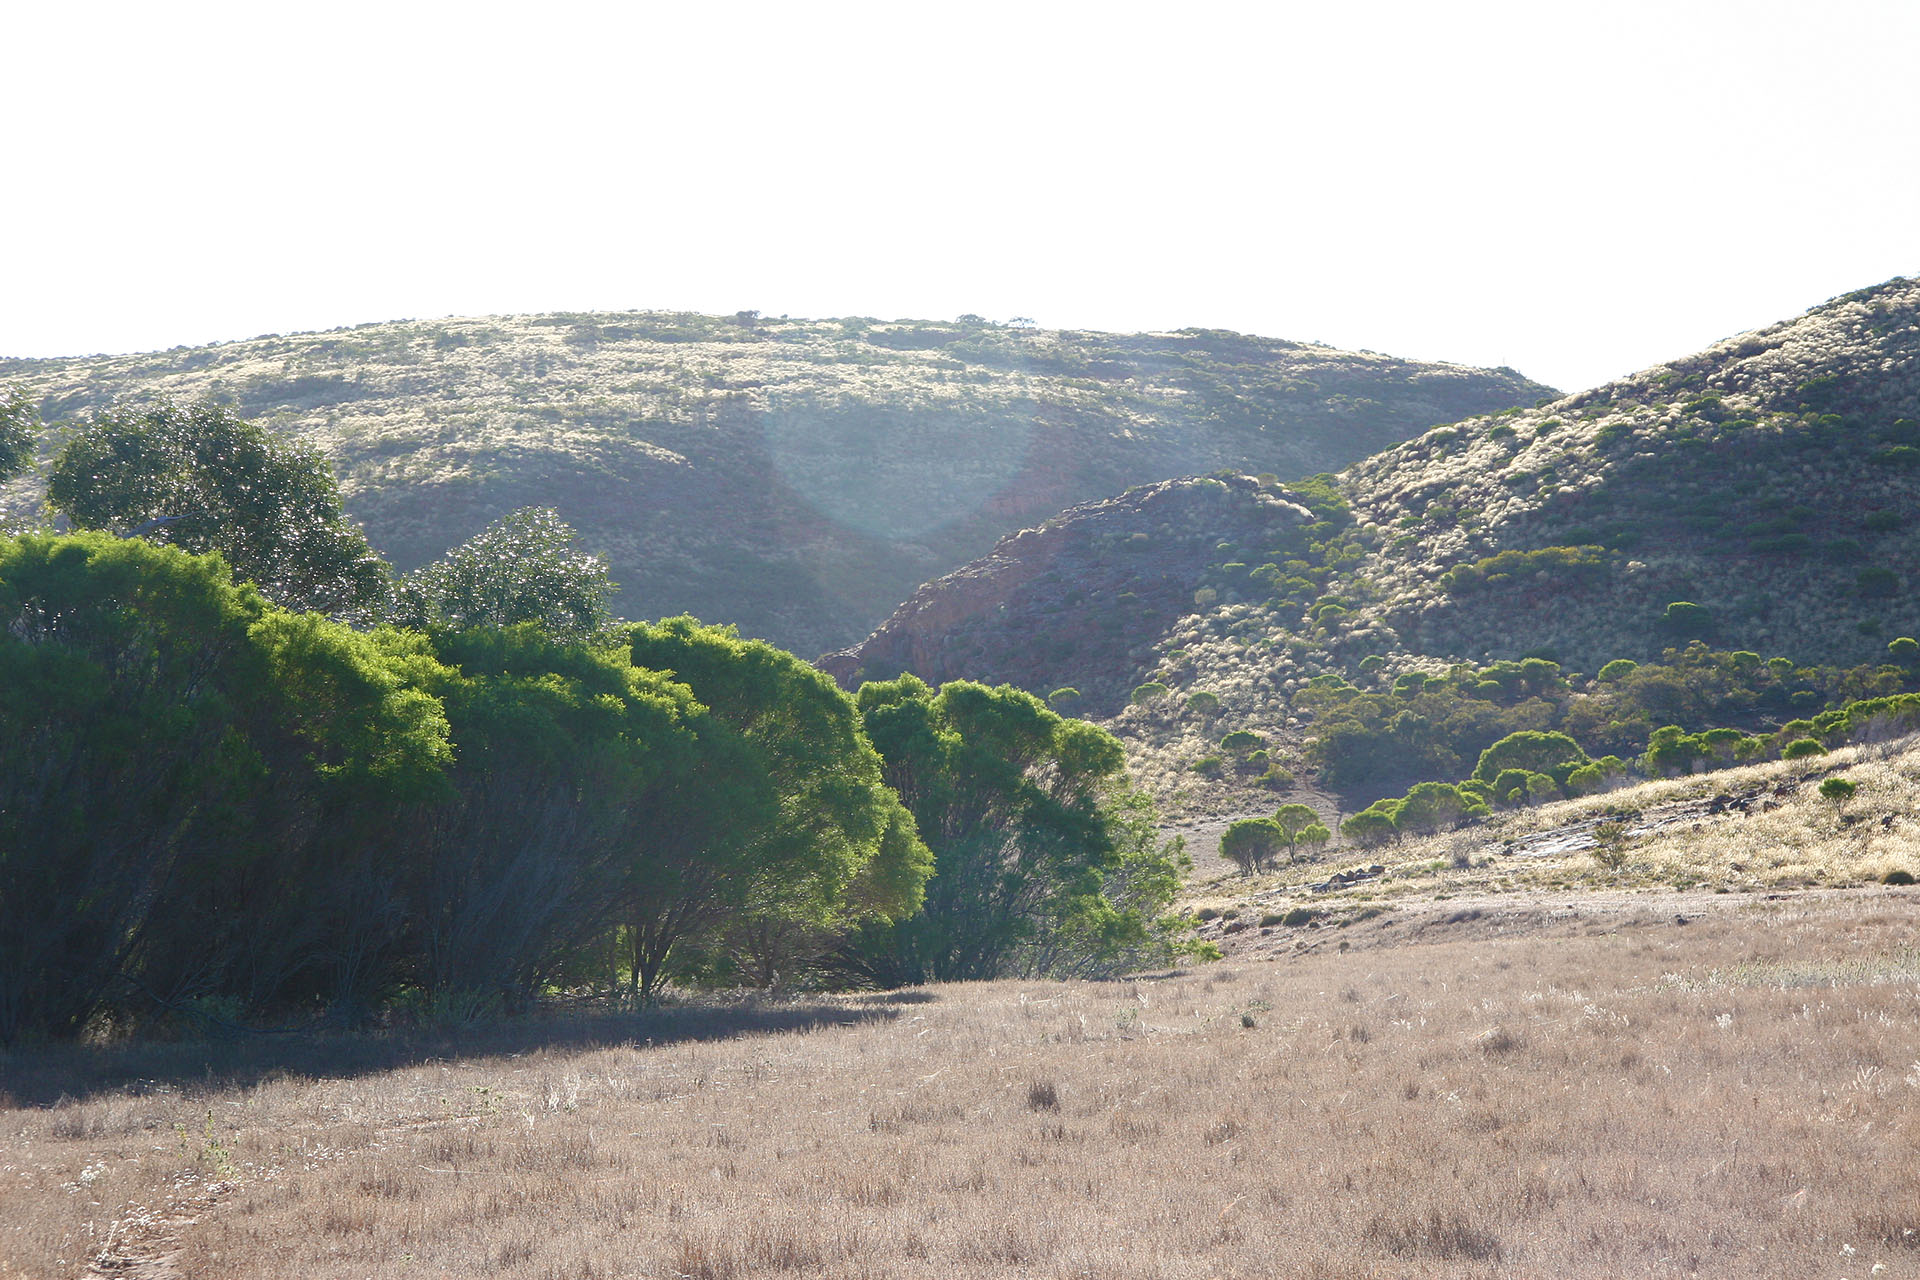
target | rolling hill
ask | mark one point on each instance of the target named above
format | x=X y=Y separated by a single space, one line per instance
x=798 y=478
x=1762 y=495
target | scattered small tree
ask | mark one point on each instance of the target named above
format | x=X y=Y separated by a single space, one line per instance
x=1838 y=791
x=1251 y=843
x=1610 y=845
x=1293 y=820
x=1372 y=826
x=1431 y=807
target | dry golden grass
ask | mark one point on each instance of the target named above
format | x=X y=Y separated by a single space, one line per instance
x=1739 y=1096
x=1761 y=828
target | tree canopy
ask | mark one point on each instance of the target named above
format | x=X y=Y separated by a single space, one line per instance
x=1034 y=835
x=202 y=478
x=527 y=566
x=19 y=431
x=830 y=846
x=171 y=747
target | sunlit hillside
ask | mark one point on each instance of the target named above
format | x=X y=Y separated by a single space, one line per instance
x=799 y=478
x=1757 y=497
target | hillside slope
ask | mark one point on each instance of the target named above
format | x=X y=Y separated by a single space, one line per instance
x=1078 y=601
x=1772 y=483
x=1773 y=480
x=799 y=478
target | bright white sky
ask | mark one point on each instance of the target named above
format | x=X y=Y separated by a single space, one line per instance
x=1574 y=189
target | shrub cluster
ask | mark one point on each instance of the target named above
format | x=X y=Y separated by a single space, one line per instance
x=1370 y=743
x=207 y=801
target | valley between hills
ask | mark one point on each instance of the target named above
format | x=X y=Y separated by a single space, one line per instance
x=1620 y=977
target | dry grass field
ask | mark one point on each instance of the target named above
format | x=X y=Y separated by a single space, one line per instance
x=1735 y=1095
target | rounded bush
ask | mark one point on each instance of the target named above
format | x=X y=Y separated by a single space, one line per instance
x=1148 y=692
x=1801 y=749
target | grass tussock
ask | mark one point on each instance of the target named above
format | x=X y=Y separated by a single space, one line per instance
x=1731 y=1097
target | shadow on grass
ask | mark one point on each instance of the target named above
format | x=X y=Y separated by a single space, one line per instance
x=44 y=1075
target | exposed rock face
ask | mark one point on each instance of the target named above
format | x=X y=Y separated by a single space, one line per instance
x=1078 y=601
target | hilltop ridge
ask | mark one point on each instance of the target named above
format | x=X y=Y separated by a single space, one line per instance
x=1761 y=495
x=797 y=477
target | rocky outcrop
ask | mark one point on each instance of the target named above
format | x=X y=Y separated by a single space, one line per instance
x=1078 y=601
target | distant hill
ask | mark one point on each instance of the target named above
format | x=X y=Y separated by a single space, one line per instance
x=1773 y=480
x=1079 y=601
x=1762 y=495
x=798 y=478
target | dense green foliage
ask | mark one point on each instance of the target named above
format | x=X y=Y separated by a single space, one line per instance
x=179 y=762
x=1044 y=862
x=1372 y=743
x=204 y=479
x=830 y=846
x=525 y=567
x=213 y=807
x=19 y=431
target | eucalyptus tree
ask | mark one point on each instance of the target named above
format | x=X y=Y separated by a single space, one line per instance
x=201 y=478
x=19 y=431
x=177 y=759
x=1030 y=821
x=826 y=846
x=526 y=566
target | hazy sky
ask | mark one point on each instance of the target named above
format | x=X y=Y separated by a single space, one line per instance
x=1576 y=190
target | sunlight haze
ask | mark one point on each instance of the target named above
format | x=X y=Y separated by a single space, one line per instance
x=1573 y=192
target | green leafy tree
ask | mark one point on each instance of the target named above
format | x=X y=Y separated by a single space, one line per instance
x=835 y=849
x=1125 y=927
x=1029 y=819
x=19 y=431
x=1837 y=791
x=176 y=758
x=203 y=479
x=1534 y=750
x=1431 y=807
x=525 y=567
x=1510 y=787
x=1587 y=780
x=1372 y=826
x=1292 y=819
x=1673 y=750
x=1250 y=843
